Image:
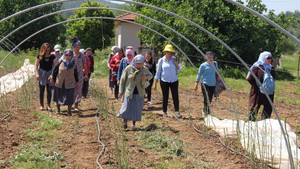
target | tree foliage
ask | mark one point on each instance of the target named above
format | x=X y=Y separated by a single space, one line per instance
x=245 y=33
x=53 y=35
x=91 y=31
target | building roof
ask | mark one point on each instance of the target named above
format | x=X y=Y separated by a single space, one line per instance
x=127 y=16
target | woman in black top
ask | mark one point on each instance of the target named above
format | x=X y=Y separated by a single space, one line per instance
x=151 y=65
x=44 y=63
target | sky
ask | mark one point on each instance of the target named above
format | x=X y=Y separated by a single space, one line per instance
x=282 y=5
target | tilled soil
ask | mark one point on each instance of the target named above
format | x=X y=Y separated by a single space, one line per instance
x=80 y=148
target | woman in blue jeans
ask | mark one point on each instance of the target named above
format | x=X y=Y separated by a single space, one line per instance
x=208 y=78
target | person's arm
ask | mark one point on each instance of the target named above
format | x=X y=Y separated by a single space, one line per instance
x=121 y=67
x=178 y=67
x=158 y=73
x=147 y=74
x=200 y=72
x=251 y=79
x=54 y=72
x=123 y=82
x=112 y=63
x=37 y=63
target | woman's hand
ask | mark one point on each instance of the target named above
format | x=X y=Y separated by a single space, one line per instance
x=218 y=78
x=86 y=77
x=77 y=85
x=121 y=94
x=37 y=77
x=118 y=82
x=196 y=86
x=155 y=84
x=154 y=87
x=51 y=79
x=175 y=62
x=144 y=77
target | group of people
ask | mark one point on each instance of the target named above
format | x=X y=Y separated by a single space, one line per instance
x=65 y=74
x=132 y=76
x=130 y=72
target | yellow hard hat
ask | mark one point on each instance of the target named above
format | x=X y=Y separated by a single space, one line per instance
x=169 y=48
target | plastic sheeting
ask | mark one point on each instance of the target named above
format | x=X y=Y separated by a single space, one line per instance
x=13 y=81
x=262 y=138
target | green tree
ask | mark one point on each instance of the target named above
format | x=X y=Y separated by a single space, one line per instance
x=245 y=33
x=53 y=35
x=91 y=31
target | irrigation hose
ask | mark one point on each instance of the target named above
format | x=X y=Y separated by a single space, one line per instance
x=99 y=135
x=201 y=132
x=5 y=117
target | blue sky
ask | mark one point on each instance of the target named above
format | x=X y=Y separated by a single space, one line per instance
x=282 y=5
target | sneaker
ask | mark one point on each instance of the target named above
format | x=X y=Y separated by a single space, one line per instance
x=69 y=114
x=133 y=127
x=118 y=115
x=125 y=126
x=203 y=114
x=57 y=111
x=149 y=103
x=178 y=115
x=165 y=114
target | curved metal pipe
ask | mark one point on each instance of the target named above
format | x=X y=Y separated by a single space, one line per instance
x=266 y=19
x=204 y=30
x=227 y=90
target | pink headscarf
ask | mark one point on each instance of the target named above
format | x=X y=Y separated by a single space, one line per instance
x=129 y=51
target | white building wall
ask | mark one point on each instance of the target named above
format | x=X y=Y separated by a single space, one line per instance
x=127 y=35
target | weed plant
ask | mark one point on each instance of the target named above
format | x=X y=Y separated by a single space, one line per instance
x=39 y=153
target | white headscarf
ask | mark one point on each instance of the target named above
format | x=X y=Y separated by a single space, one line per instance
x=262 y=61
x=137 y=59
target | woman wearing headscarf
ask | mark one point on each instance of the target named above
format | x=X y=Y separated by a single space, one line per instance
x=115 y=65
x=44 y=63
x=114 y=50
x=132 y=86
x=167 y=71
x=151 y=65
x=256 y=97
x=80 y=61
x=65 y=77
x=129 y=55
x=208 y=78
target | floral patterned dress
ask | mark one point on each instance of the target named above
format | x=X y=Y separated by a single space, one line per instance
x=79 y=60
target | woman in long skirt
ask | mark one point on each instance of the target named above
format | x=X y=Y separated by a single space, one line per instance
x=65 y=77
x=80 y=61
x=132 y=85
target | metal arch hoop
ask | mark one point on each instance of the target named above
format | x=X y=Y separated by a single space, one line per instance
x=266 y=19
x=220 y=41
x=153 y=21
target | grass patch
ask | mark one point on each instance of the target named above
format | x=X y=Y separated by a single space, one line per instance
x=40 y=152
x=290 y=63
x=100 y=63
x=163 y=144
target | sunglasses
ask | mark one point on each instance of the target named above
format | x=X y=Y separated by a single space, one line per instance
x=269 y=58
x=68 y=55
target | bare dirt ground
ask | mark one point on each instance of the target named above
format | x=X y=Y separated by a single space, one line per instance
x=79 y=146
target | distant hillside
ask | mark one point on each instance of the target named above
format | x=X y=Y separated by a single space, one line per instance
x=67 y=5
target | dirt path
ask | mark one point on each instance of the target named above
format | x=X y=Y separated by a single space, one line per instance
x=78 y=141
